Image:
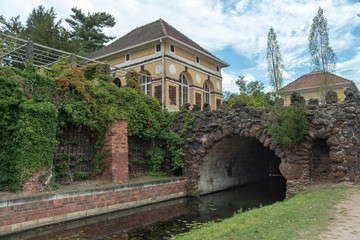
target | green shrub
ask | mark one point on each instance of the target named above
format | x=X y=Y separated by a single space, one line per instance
x=34 y=106
x=289 y=125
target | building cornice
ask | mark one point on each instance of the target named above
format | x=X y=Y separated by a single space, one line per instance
x=124 y=50
x=155 y=57
x=225 y=64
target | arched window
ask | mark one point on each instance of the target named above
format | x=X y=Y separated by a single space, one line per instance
x=145 y=83
x=183 y=90
x=117 y=82
x=206 y=93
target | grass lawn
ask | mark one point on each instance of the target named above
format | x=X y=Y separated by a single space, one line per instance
x=300 y=217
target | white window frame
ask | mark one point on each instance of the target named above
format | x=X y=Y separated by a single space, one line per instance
x=126 y=60
x=145 y=83
x=171 y=45
x=206 y=89
x=156 y=48
x=183 y=89
x=196 y=58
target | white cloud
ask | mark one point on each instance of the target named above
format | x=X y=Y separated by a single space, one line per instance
x=240 y=25
x=249 y=78
x=350 y=69
x=268 y=89
x=285 y=73
x=229 y=80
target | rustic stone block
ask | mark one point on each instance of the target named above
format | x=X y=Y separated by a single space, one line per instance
x=291 y=171
x=296 y=98
x=331 y=97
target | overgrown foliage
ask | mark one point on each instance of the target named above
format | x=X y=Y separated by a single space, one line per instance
x=33 y=107
x=27 y=133
x=289 y=125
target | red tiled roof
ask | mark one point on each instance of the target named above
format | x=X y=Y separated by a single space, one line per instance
x=314 y=79
x=146 y=33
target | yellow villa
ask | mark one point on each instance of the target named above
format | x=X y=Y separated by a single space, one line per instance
x=309 y=86
x=172 y=67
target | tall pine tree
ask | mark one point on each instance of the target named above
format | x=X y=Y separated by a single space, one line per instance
x=274 y=61
x=12 y=27
x=41 y=27
x=323 y=58
x=87 y=29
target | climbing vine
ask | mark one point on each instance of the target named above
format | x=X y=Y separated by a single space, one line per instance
x=34 y=107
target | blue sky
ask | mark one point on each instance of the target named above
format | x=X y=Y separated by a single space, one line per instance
x=234 y=31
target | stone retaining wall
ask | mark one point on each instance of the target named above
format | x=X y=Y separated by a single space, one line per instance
x=330 y=152
x=35 y=211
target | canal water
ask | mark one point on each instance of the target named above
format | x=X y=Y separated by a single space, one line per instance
x=166 y=219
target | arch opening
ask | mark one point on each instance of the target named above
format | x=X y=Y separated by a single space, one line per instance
x=236 y=161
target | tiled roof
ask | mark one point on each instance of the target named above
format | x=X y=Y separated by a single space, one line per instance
x=146 y=33
x=314 y=79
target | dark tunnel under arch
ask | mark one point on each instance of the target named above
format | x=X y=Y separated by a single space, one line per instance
x=236 y=161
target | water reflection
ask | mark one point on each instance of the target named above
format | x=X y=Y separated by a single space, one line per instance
x=163 y=220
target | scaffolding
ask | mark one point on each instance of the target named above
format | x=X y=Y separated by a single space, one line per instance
x=20 y=51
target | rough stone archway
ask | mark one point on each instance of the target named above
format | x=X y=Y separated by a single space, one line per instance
x=329 y=153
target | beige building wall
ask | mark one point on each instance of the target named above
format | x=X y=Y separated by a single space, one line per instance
x=143 y=52
x=196 y=78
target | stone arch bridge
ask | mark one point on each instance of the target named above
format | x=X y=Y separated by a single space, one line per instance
x=229 y=147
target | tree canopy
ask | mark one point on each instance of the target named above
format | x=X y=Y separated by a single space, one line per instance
x=42 y=27
x=13 y=26
x=87 y=29
x=252 y=93
x=323 y=58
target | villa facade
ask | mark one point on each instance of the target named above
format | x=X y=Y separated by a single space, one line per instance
x=311 y=86
x=172 y=68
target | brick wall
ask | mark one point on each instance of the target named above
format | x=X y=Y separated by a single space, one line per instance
x=25 y=213
x=118 y=222
x=33 y=184
x=116 y=141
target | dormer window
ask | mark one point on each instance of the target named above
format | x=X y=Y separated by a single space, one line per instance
x=197 y=59
x=128 y=57
x=158 y=48
x=172 y=48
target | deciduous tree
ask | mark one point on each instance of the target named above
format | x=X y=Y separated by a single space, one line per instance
x=323 y=58
x=274 y=61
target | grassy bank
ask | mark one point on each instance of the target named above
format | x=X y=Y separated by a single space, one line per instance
x=300 y=217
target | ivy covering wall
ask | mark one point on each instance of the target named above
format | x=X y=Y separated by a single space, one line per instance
x=34 y=106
